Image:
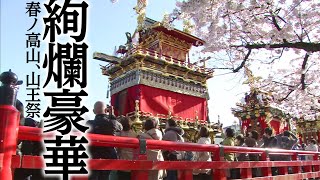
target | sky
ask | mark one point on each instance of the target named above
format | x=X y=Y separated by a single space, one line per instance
x=107 y=24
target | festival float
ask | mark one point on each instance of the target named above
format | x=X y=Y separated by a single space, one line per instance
x=155 y=78
x=256 y=112
x=308 y=129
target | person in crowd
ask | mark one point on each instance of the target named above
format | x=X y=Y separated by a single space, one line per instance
x=20 y=108
x=296 y=147
x=125 y=153
x=23 y=174
x=255 y=135
x=302 y=157
x=239 y=141
x=173 y=133
x=229 y=141
x=286 y=140
x=270 y=141
x=33 y=148
x=312 y=146
x=203 y=174
x=252 y=141
x=151 y=132
x=106 y=124
x=303 y=148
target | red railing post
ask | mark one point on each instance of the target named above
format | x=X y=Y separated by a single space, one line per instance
x=246 y=173
x=295 y=169
x=316 y=158
x=283 y=170
x=140 y=154
x=185 y=175
x=307 y=168
x=9 y=123
x=266 y=171
x=218 y=155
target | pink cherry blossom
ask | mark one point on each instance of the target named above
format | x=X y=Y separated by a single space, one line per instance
x=280 y=35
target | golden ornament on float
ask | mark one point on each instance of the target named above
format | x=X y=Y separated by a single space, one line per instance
x=268 y=114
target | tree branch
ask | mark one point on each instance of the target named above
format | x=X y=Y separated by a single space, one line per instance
x=277 y=57
x=291 y=90
x=174 y=18
x=222 y=68
x=275 y=23
x=283 y=84
x=243 y=62
x=310 y=47
x=303 y=75
x=302 y=80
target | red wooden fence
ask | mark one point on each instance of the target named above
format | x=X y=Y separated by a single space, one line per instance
x=140 y=165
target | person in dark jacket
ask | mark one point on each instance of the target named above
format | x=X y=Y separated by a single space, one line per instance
x=252 y=141
x=286 y=140
x=32 y=148
x=28 y=148
x=270 y=141
x=106 y=124
x=240 y=141
x=172 y=133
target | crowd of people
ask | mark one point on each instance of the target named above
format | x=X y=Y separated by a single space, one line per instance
x=286 y=140
x=107 y=124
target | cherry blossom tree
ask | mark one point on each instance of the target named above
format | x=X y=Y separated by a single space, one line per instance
x=280 y=36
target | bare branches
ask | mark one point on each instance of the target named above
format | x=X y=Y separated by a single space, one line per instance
x=175 y=17
x=303 y=74
x=243 y=61
x=302 y=79
x=275 y=23
x=222 y=68
x=291 y=90
x=276 y=57
x=291 y=86
x=310 y=47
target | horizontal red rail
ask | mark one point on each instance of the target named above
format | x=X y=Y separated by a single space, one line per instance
x=37 y=162
x=218 y=165
x=35 y=134
x=290 y=176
